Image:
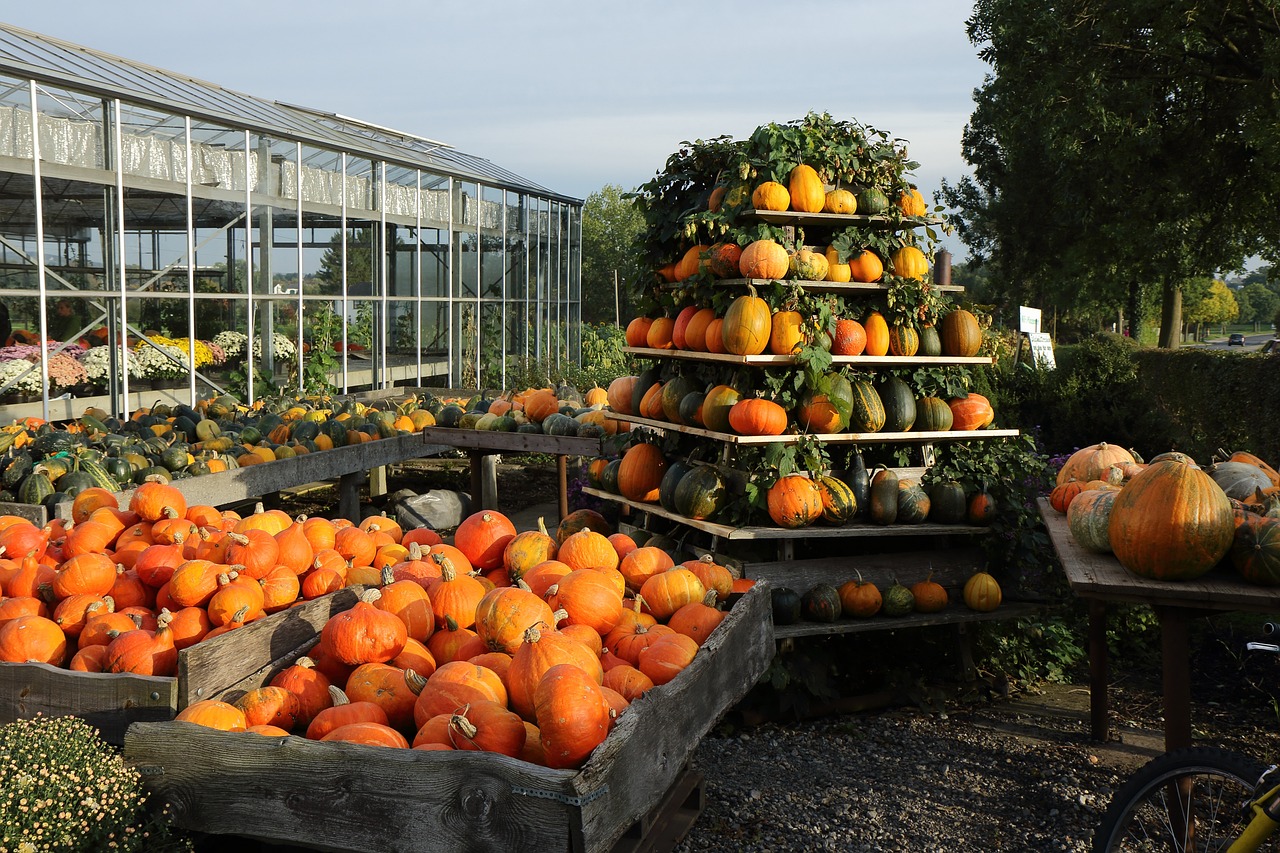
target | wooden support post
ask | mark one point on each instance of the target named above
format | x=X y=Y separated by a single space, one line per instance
x=1175 y=649
x=1098 y=676
x=378 y=481
x=477 y=488
x=489 y=481
x=349 y=495
x=562 y=481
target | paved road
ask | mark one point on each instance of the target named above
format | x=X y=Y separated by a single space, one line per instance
x=1251 y=342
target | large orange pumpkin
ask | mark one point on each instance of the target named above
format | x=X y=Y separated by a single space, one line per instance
x=1090 y=463
x=806 y=189
x=1170 y=522
x=641 y=472
x=794 y=501
x=747 y=325
x=764 y=259
x=971 y=412
x=961 y=334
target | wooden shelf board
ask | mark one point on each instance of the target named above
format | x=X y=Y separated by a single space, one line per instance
x=819 y=286
x=790 y=360
x=954 y=614
x=796 y=217
x=726 y=531
x=826 y=437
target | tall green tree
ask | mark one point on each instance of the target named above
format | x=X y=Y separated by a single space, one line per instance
x=1263 y=302
x=611 y=225
x=1120 y=150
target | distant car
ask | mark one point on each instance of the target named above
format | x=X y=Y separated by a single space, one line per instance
x=1236 y=340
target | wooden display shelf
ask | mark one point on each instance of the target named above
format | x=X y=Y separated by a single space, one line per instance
x=890 y=361
x=819 y=286
x=731 y=532
x=826 y=437
x=835 y=220
x=955 y=614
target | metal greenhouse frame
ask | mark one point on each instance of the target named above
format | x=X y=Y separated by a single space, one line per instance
x=179 y=239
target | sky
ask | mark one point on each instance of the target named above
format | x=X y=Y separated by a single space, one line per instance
x=570 y=94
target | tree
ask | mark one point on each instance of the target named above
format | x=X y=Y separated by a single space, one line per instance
x=611 y=225
x=1214 y=305
x=1120 y=149
x=1263 y=302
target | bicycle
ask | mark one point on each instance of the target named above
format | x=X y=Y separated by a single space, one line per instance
x=1200 y=799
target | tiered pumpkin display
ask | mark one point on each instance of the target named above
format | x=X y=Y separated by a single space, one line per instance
x=532 y=679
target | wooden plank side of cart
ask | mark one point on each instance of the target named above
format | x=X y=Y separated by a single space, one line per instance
x=112 y=701
x=335 y=796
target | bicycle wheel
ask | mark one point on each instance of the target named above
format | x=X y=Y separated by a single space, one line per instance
x=1193 y=799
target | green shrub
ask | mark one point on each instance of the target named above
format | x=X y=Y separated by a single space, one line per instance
x=63 y=789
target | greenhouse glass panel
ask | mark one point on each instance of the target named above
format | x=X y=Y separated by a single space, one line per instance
x=434 y=320
x=466 y=345
x=493 y=352
x=435 y=262
x=493 y=271
x=322 y=255
x=517 y=248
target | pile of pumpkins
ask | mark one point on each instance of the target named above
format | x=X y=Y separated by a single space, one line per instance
x=45 y=463
x=548 y=411
x=1170 y=519
x=644 y=474
x=529 y=644
x=860 y=599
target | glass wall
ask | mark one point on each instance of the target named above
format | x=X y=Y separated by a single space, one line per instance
x=163 y=254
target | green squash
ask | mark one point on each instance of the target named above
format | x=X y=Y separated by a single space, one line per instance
x=670 y=479
x=933 y=415
x=859 y=481
x=866 y=412
x=898 y=600
x=700 y=493
x=691 y=408
x=883 y=506
x=35 y=488
x=449 y=416
x=839 y=504
x=786 y=605
x=609 y=477
x=899 y=405
x=673 y=392
x=947 y=502
x=821 y=603
x=913 y=502
x=930 y=341
x=872 y=201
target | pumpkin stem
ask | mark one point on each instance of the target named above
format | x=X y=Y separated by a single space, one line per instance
x=340 y=698
x=369 y=596
x=388 y=576
x=110 y=603
x=415 y=681
x=533 y=634
x=464 y=727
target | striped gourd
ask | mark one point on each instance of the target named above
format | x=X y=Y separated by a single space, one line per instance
x=904 y=341
x=838 y=501
x=35 y=488
x=99 y=475
x=867 y=413
x=933 y=415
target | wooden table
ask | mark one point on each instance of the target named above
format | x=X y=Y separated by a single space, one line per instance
x=1100 y=579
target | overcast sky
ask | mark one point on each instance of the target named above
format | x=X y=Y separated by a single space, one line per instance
x=571 y=94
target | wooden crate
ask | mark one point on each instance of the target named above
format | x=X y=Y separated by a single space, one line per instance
x=340 y=796
x=235 y=661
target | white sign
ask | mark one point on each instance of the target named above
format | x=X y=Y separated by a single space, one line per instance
x=1028 y=319
x=1042 y=350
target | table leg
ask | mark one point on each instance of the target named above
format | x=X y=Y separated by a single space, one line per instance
x=477 y=481
x=1175 y=651
x=562 y=480
x=1098 y=674
x=349 y=495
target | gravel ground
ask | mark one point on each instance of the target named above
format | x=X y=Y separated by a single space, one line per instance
x=897 y=782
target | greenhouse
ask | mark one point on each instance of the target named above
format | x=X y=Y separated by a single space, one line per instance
x=165 y=237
